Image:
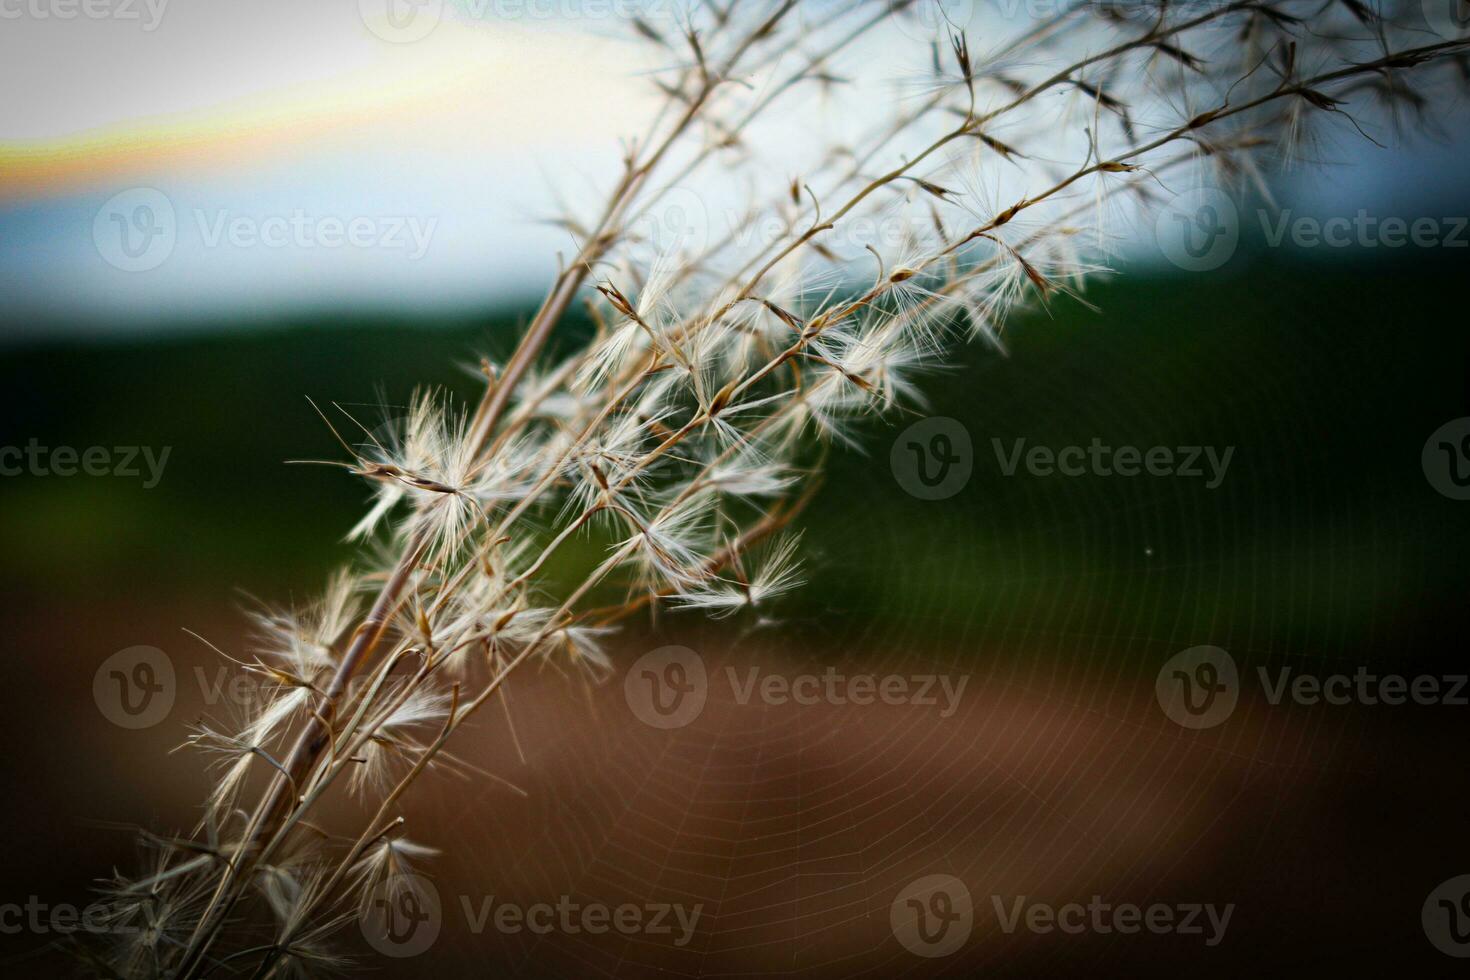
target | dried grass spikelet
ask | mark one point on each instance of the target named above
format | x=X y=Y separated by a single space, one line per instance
x=723 y=365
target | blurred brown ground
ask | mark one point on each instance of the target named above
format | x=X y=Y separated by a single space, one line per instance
x=794 y=827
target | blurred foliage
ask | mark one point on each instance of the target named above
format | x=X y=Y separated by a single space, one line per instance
x=1324 y=536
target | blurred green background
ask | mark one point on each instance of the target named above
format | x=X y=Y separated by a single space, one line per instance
x=1325 y=540
x=1324 y=548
